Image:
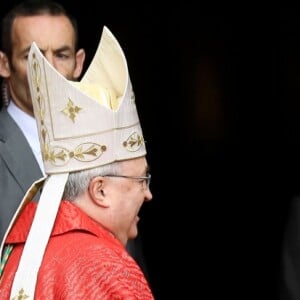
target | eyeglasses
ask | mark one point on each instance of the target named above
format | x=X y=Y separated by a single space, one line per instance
x=144 y=180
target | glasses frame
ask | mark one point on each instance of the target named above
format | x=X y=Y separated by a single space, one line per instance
x=141 y=179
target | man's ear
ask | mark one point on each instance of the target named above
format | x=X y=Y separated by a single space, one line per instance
x=97 y=191
x=80 y=58
x=4 y=65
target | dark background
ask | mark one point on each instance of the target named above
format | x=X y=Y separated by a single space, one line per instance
x=218 y=97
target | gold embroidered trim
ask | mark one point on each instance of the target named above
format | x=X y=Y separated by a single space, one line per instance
x=134 y=142
x=84 y=152
x=71 y=110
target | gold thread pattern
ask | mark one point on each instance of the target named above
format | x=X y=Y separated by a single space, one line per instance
x=134 y=142
x=71 y=110
x=21 y=295
x=85 y=152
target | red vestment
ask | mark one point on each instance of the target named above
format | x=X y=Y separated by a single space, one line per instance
x=82 y=260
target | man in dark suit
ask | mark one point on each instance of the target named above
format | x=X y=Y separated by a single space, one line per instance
x=56 y=34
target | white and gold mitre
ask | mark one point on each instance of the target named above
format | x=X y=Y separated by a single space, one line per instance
x=89 y=123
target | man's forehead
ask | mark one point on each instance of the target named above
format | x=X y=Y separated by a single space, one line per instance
x=43 y=29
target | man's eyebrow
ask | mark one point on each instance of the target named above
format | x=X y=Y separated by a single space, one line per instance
x=63 y=48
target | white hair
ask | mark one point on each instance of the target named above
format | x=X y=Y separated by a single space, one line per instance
x=78 y=182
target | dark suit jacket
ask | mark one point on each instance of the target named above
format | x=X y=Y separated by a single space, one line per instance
x=18 y=168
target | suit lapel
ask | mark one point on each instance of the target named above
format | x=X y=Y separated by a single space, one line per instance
x=16 y=152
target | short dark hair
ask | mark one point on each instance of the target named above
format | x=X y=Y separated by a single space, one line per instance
x=31 y=8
